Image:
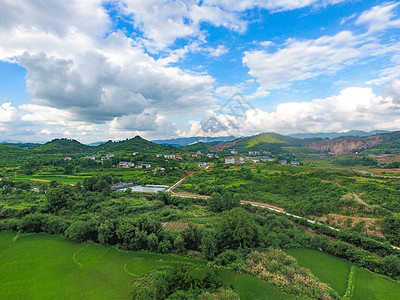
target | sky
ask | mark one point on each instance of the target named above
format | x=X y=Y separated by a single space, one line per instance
x=100 y=70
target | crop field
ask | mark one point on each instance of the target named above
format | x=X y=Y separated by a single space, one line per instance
x=174 y=226
x=39 y=266
x=335 y=271
x=372 y=286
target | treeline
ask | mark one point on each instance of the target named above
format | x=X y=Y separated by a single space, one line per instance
x=356 y=161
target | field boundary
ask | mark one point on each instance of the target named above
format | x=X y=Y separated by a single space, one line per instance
x=74 y=256
x=350 y=285
x=127 y=270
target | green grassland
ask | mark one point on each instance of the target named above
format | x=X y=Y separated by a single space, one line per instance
x=335 y=271
x=39 y=266
x=369 y=285
x=327 y=268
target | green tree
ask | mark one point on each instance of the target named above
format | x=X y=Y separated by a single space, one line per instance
x=209 y=244
x=237 y=229
x=192 y=237
x=179 y=244
x=81 y=231
x=152 y=242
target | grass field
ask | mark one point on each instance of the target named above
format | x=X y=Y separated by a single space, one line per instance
x=39 y=266
x=327 y=268
x=372 y=286
x=335 y=271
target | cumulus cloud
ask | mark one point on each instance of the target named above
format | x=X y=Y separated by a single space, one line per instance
x=184 y=18
x=300 y=60
x=79 y=73
x=393 y=91
x=379 y=17
x=354 y=107
x=7 y=112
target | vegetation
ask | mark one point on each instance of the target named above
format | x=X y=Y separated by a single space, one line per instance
x=236 y=245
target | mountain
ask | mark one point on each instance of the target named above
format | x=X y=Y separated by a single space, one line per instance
x=96 y=144
x=270 y=141
x=331 y=135
x=135 y=144
x=385 y=141
x=21 y=144
x=12 y=155
x=63 y=146
x=192 y=140
x=202 y=147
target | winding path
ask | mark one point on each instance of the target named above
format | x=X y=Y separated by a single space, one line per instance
x=264 y=205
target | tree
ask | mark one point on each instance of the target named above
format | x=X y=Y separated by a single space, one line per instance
x=192 y=237
x=33 y=223
x=55 y=225
x=215 y=203
x=152 y=242
x=391 y=265
x=106 y=233
x=209 y=244
x=60 y=197
x=81 y=231
x=237 y=229
x=164 y=247
x=179 y=243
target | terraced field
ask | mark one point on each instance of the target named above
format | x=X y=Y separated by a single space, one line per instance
x=39 y=266
x=335 y=272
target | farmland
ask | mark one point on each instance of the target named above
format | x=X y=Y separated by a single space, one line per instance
x=335 y=271
x=38 y=266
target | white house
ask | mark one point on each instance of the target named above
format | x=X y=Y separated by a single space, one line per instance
x=229 y=160
x=202 y=164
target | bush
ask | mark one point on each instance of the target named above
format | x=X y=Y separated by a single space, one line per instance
x=81 y=231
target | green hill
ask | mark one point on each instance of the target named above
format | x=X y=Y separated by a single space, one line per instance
x=269 y=141
x=137 y=144
x=12 y=155
x=63 y=146
x=203 y=147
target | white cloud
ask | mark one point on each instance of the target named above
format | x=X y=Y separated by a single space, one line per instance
x=353 y=108
x=393 y=91
x=300 y=60
x=184 y=18
x=77 y=71
x=7 y=112
x=45 y=131
x=379 y=17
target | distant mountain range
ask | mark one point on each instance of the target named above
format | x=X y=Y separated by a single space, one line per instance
x=178 y=142
x=333 y=135
x=272 y=142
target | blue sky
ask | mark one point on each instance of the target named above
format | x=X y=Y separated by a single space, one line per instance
x=98 y=70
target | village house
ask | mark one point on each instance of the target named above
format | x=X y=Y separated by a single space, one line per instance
x=158 y=155
x=267 y=158
x=295 y=163
x=242 y=159
x=158 y=169
x=178 y=156
x=91 y=157
x=210 y=155
x=135 y=153
x=229 y=160
x=283 y=162
x=202 y=164
x=126 y=164
x=110 y=155
x=169 y=155
x=67 y=158
x=146 y=166
x=254 y=152
x=233 y=151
